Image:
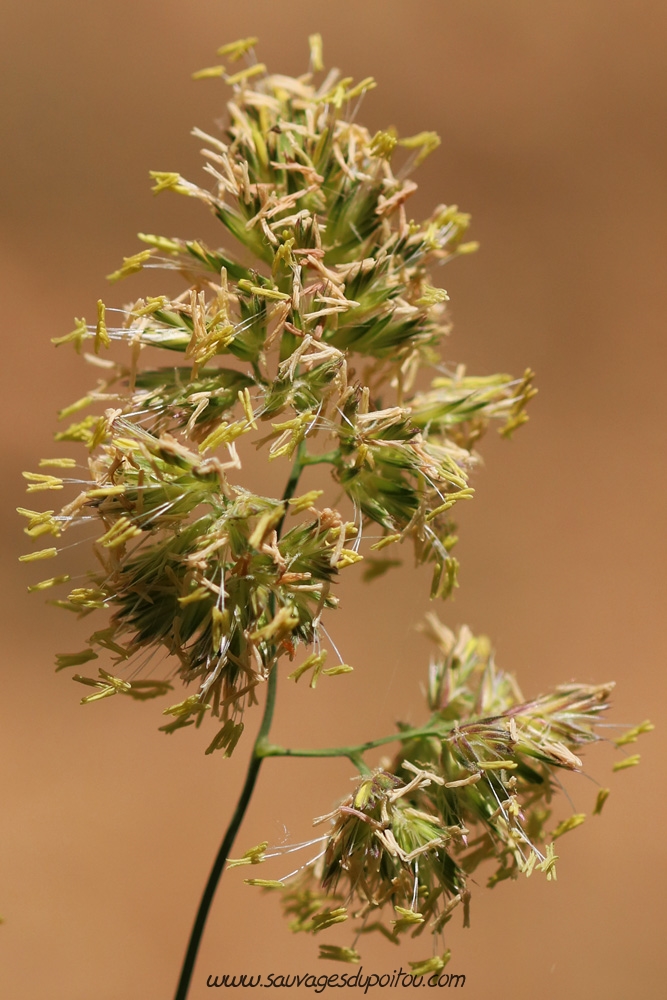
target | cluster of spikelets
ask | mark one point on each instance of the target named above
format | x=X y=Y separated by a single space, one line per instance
x=473 y=785
x=312 y=350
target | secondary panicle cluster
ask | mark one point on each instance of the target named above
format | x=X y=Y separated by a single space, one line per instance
x=473 y=785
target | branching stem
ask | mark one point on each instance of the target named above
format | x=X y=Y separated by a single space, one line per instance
x=354 y=753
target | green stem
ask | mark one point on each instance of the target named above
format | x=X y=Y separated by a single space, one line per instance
x=227 y=842
x=254 y=765
x=353 y=753
x=333 y=457
x=292 y=482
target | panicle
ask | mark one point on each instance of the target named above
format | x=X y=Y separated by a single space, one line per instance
x=307 y=341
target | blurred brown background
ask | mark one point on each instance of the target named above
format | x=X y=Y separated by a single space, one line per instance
x=552 y=116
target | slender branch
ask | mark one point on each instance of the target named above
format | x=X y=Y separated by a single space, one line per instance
x=254 y=765
x=332 y=457
x=292 y=482
x=353 y=753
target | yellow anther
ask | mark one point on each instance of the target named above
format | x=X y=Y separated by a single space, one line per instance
x=53 y=581
x=76 y=337
x=246 y=74
x=41 y=554
x=387 y=540
x=208 y=73
x=134 y=264
x=80 y=404
x=119 y=533
x=57 y=463
x=304 y=502
x=101 y=332
x=424 y=141
x=316 y=60
x=235 y=50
